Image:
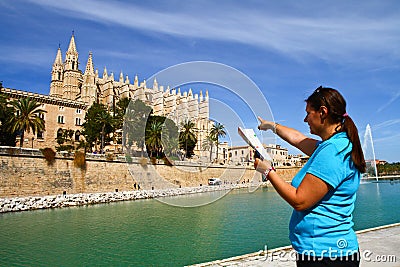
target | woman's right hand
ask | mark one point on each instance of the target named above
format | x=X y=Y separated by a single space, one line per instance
x=266 y=125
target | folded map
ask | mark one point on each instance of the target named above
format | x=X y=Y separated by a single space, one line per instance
x=251 y=138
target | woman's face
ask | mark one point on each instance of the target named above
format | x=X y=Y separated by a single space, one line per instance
x=313 y=119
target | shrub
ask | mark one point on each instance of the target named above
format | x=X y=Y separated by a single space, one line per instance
x=128 y=158
x=11 y=151
x=80 y=160
x=49 y=154
x=168 y=162
x=143 y=161
x=110 y=156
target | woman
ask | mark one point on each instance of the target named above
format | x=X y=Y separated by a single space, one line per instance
x=323 y=193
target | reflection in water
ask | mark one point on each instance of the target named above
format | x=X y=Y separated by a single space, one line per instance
x=194 y=200
x=150 y=233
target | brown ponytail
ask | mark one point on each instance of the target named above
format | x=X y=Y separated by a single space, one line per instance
x=357 y=154
x=336 y=105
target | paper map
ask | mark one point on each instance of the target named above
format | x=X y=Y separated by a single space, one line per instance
x=251 y=138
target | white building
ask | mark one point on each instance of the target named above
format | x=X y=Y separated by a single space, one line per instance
x=245 y=154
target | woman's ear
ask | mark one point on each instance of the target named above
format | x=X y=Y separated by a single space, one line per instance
x=323 y=112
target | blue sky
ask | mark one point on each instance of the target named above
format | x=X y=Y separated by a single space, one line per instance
x=287 y=48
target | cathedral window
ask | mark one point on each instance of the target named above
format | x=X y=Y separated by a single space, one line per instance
x=60 y=119
x=77 y=136
x=78 y=111
x=40 y=135
x=77 y=121
x=59 y=133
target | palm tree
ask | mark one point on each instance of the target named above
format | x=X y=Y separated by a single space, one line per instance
x=208 y=143
x=217 y=131
x=170 y=138
x=153 y=136
x=187 y=135
x=104 y=119
x=134 y=127
x=3 y=106
x=28 y=117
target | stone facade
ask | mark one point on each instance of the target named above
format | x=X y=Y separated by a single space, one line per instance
x=32 y=176
x=60 y=114
x=72 y=92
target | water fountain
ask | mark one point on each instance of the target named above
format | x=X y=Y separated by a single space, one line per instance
x=369 y=154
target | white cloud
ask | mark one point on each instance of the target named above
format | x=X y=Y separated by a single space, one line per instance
x=392 y=139
x=338 y=36
x=385 y=124
x=391 y=100
x=27 y=56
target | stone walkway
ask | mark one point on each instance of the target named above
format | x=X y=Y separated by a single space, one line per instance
x=379 y=247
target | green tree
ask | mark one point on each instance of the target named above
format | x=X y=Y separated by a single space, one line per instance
x=65 y=140
x=97 y=124
x=118 y=117
x=170 y=138
x=153 y=135
x=28 y=117
x=7 y=138
x=104 y=119
x=217 y=131
x=208 y=144
x=120 y=111
x=187 y=137
x=3 y=106
x=134 y=126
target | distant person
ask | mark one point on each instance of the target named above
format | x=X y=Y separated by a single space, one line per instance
x=323 y=192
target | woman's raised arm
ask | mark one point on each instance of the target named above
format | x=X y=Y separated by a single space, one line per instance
x=306 y=144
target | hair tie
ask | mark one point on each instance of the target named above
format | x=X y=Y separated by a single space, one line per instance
x=345 y=115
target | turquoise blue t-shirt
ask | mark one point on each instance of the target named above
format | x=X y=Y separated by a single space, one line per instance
x=325 y=230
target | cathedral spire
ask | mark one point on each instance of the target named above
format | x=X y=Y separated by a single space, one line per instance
x=72 y=46
x=89 y=66
x=58 y=60
x=88 y=89
x=71 y=56
x=155 y=84
x=57 y=73
x=105 y=74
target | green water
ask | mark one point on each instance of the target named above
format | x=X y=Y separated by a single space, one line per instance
x=150 y=233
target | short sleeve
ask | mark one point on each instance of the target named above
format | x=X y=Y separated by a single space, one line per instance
x=328 y=165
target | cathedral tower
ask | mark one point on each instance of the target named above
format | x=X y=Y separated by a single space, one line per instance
x=72 y=75
x=89 y=92
x=57 y=74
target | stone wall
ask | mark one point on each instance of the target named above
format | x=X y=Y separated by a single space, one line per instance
x=25 y=175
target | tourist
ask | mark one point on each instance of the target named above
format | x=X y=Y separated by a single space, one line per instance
x=323 y=192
